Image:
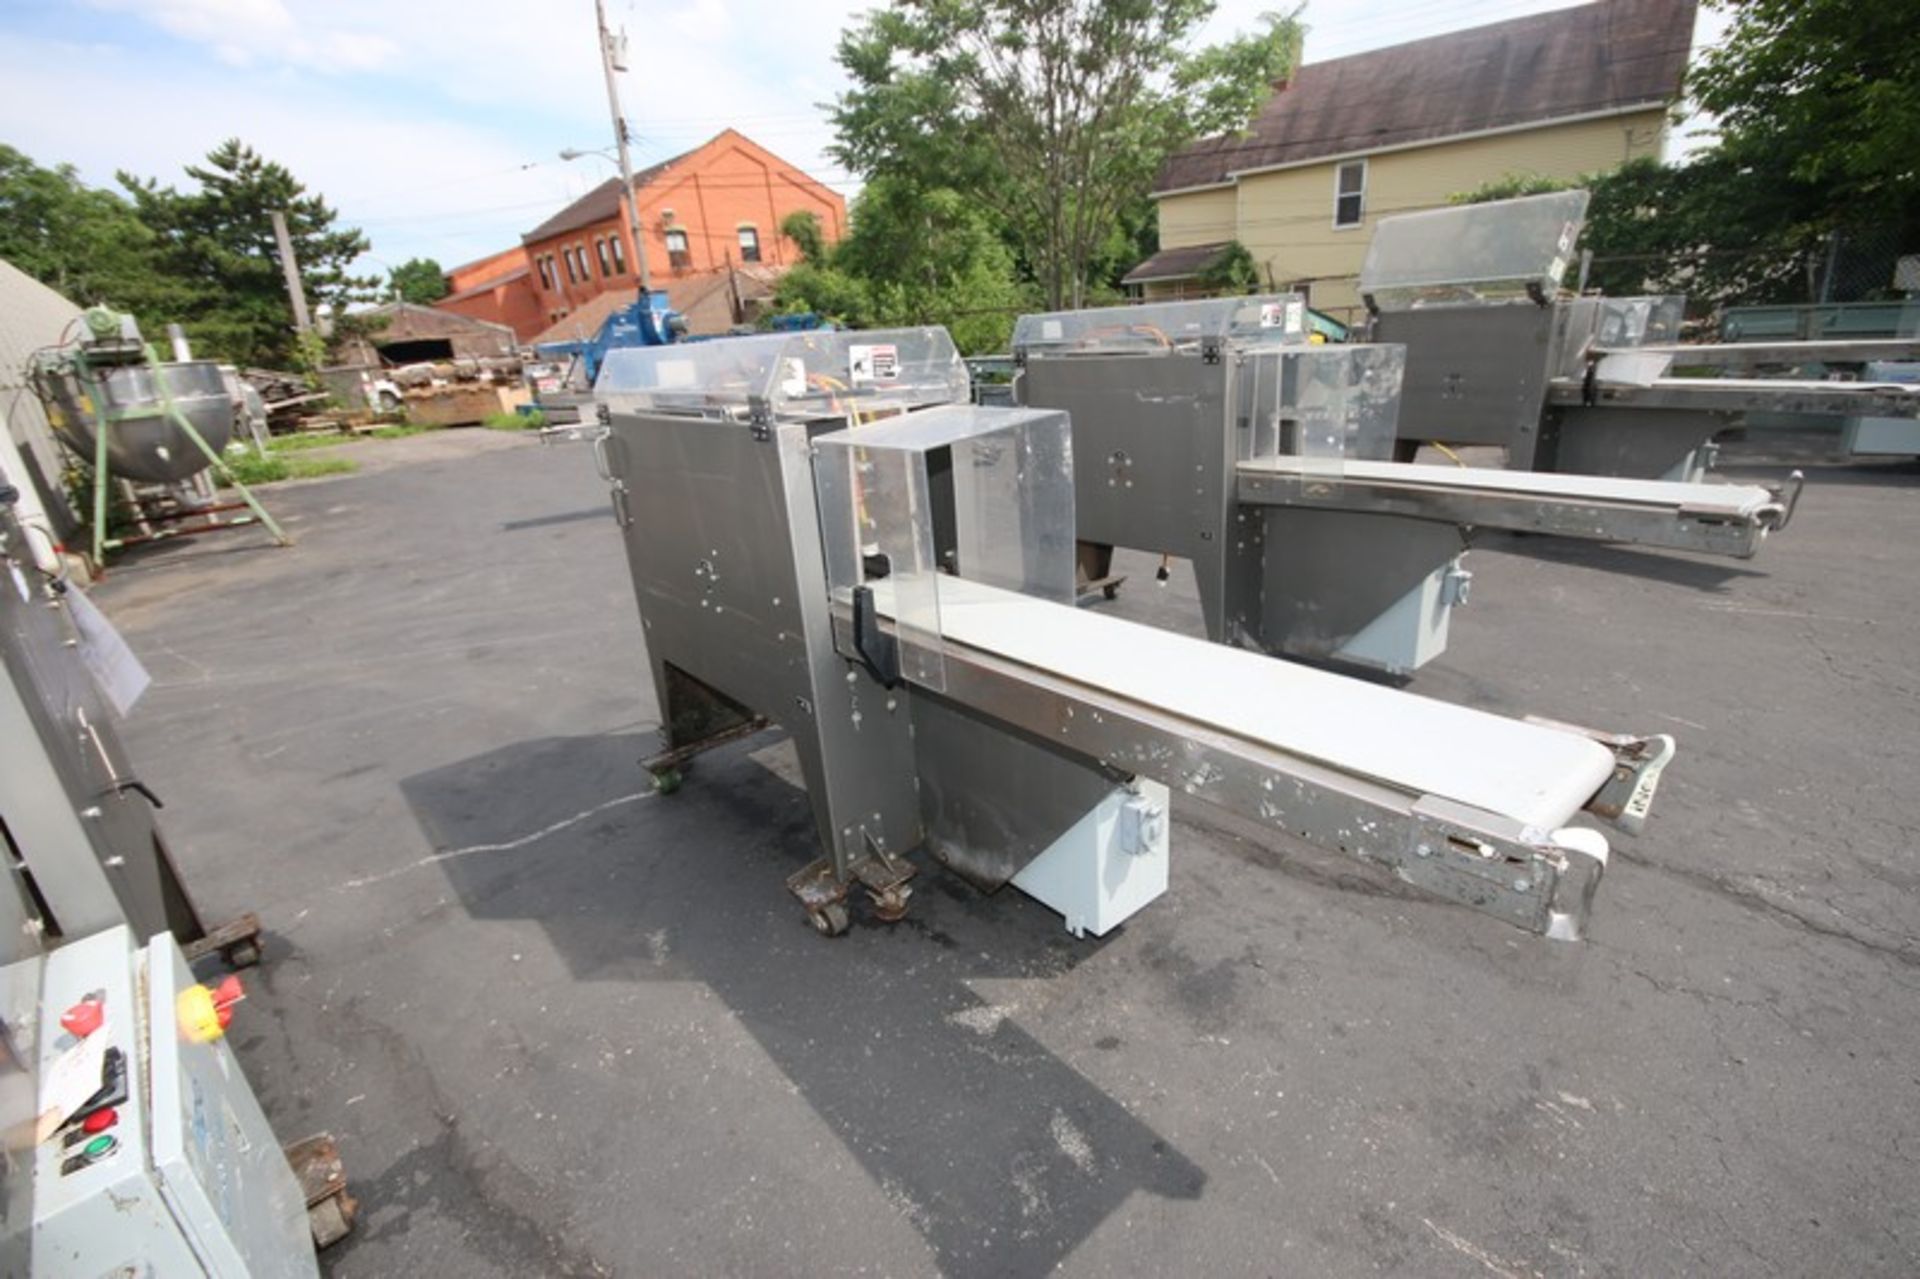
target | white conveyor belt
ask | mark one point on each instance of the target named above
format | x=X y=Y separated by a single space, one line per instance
x=1536 y=775
x=1713 y=501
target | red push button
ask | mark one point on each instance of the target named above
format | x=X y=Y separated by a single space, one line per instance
x=84 y=1018
x=100 y=1120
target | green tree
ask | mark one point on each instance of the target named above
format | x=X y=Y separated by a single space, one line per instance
x=1823 y=96
x=802 y=226
x=1818 y=104
x=84 y=243
x=418 y=280
x=217 y=242
x=914 y=256
x=1231 y=270
x=1052 y=116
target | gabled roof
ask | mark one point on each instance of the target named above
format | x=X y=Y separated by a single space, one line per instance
x=485 y=286
x=1592 y=59
x=1175 y=264
x=603 y=201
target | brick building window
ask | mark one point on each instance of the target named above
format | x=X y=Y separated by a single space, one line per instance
x=606 y=264
x=677 y=251
x=545 y=263
x=749 y=244
x=1350 y=193
x=619 y=248
x=580 y=261
x=566 y=256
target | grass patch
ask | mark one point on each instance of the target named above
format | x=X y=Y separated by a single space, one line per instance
x=398 y=431
x=251 y=469
x=307 y=440
x=515 y=421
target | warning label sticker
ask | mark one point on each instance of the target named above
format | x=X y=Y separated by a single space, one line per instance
x=877 y=363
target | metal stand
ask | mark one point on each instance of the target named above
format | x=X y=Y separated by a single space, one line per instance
x=102 y=476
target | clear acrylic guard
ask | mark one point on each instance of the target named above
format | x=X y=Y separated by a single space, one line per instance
x=1321 y=404
x=821 y=373
x=1162 y=327
x=964 y=492
x=1473 y=253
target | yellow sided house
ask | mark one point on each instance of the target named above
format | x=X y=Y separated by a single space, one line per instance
x=1348 y=141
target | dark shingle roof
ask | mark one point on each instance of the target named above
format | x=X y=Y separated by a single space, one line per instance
x=601 y=203
x=1592 y=58
x=1175 y=264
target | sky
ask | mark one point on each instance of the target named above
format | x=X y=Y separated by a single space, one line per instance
x=436 y=125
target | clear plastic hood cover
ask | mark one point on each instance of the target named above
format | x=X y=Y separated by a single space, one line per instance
x=796 y=376
x=1474 y=252
x=1162 y=326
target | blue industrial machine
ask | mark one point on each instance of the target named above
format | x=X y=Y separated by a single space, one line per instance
x=647 y=321
x=563 y=378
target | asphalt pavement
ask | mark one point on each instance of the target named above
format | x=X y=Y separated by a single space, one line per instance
x=563 y=1026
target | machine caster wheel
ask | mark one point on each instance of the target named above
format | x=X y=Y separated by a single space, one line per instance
x=1111 y=590
x=891 y=907
x=667 y=781
x=830 y=920
x=242 y=954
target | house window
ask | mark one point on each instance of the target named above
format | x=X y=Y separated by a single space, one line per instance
x=1350 y=193
x=566 y=257
x=749 y=244
x=606 y=267
x=619 y=248
x=546 y=272
x=580 y=260
x=677 y=252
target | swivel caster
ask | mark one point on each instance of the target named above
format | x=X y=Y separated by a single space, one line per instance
x=890 y=907
x=830 y=920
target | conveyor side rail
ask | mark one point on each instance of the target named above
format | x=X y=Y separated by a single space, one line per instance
x=1739 y=395
x=1722 y=519
x=1468 y=806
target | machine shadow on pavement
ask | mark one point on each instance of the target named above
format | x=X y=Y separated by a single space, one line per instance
x=941 y=1097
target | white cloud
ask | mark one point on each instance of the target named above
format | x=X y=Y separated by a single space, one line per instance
x=416 y=119
x=433 y=187
x=245 y=32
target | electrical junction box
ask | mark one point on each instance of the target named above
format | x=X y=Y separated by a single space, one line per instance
x=195 y=1182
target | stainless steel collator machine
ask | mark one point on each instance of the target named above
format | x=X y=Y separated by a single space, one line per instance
x=824 y=536
x=1496 y=356
x=133 y=1143
x=1213 y=431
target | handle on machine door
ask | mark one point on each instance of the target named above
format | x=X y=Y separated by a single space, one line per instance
x=126 y=784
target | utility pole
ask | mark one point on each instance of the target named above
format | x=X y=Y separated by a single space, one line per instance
x=291 y=270
x=612 y=59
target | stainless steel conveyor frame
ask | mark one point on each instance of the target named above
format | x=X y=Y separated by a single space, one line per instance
x=821 y=536
x=1205 y=432
x=1717 y=519
x=1497 y=356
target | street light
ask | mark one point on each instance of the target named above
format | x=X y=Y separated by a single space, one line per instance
x=632 y=205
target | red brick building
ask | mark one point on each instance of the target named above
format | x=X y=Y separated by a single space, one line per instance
x=497 y=289
x=717 y=205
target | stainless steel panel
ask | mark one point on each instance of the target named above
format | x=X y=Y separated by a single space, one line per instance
x=88 y=838
x=992 y=798
x=1475 y=375
x=1329 y=573
x=1153 y=454
x=1645 y=443
x=731 y=586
